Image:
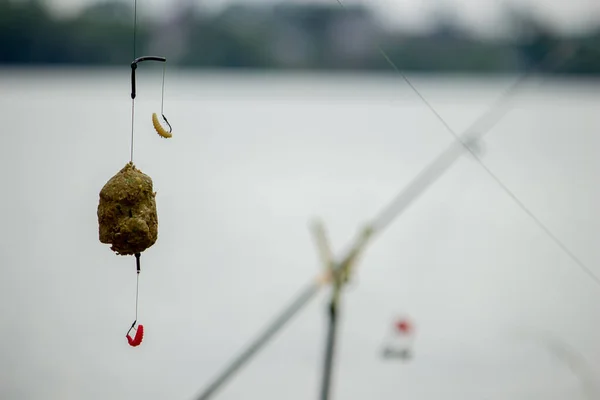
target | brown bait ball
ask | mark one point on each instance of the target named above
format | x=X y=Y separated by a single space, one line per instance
x=127 y=216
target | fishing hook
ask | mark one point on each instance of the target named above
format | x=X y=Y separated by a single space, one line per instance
x=159 y=129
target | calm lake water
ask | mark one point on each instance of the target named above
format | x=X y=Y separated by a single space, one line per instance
x=252 y=159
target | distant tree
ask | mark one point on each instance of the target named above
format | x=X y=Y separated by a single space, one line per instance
x=304 y=36
x=118 y=12
x=445 y=22
x=533 y=38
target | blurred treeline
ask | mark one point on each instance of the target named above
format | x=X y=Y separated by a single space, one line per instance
x=285 y=36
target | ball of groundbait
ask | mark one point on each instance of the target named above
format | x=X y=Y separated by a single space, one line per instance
x=127 y=215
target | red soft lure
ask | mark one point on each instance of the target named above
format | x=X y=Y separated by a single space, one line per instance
x=139 y=335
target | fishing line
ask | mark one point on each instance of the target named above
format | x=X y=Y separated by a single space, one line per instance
x=139 y=334
x=162 y=95
x=408 y=82
x=137 y=285
x=159 y=129
x=133 y=99
x=490 y=173
x=475 y=132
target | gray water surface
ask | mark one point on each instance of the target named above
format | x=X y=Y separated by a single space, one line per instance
x=251 y=161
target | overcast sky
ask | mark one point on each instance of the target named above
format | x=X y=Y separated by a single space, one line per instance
x=478 y=13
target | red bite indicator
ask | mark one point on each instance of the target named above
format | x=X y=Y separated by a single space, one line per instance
x=139 y=335
x=403 y=326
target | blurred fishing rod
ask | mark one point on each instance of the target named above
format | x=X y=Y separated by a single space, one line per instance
x=433 y=171
x=469 y=142
x=570 y=357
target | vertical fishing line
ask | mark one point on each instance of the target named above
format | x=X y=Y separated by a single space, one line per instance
x=137 y=295
x=140 y=328
x=133 y=100
x=162 y=96
x=137 y=284
x=134 y=24
x=132 y=118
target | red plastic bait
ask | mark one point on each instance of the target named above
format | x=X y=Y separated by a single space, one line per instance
x=139 y=335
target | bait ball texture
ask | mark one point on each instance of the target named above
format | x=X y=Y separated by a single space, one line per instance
x=127 y=216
